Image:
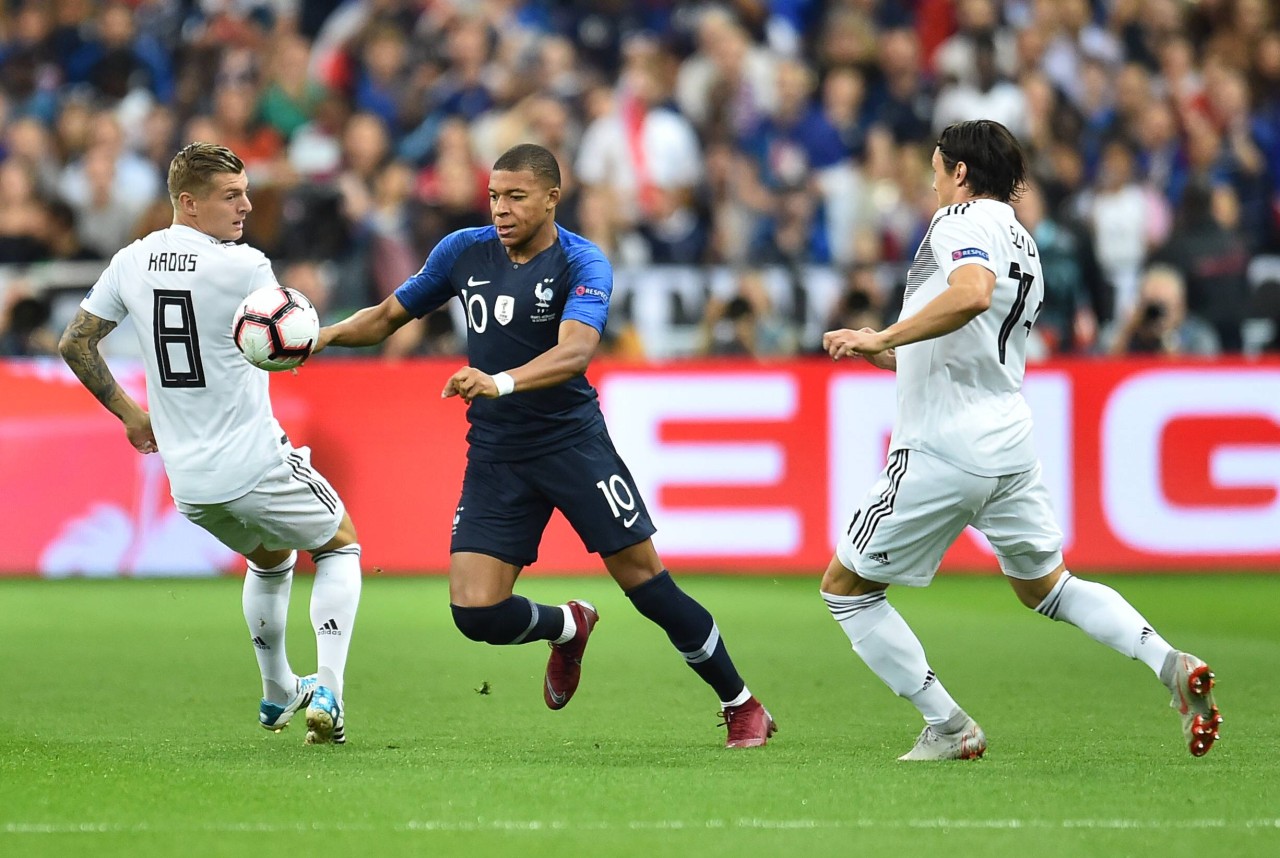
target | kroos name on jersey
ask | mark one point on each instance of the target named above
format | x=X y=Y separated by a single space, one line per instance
x=172 y=262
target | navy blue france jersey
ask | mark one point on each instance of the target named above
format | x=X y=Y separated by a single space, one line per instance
x=513 y=312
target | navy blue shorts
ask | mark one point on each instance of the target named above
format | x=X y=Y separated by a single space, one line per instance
x=505 y=506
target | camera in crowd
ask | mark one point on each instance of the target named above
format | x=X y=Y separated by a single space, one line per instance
x=1154 y=312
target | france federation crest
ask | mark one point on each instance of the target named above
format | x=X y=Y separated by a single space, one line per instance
x=504 y=309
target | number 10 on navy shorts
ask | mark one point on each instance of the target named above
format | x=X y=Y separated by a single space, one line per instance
x=505 y=506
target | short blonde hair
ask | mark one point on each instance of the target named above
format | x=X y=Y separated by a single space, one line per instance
x=193 y=168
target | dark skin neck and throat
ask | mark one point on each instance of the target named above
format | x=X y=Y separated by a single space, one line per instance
x=540 y=241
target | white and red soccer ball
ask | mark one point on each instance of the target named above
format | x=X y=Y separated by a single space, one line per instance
x=275 y=328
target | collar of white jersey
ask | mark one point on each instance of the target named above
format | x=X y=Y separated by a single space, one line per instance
x=183 y=229
x=955 y=207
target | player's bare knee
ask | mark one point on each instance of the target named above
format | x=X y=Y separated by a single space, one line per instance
x=634 y=565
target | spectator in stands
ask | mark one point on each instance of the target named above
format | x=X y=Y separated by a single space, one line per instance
x=1068 y=322
x=1162 y=157
x=1076 y=38
x=29 y=62
x=63 y=237
x=116 y=60
x=1159 y=322
x=646 y=159
x=746 y=323
x=22 y=215
x=798 y=150
x=792 y=235
x=977 y=22
x=27 y=139
x=237 y=126
x=466 y=87
x=734 y=201
x=1133 y=93
x=159 y=140
x=382 y=78
x=292 y=96
x=861 y=303
x=1042 y=105
x=105 y=214
x=133 y=178
x=727 y=85
x=846 y=37
x=901 y=100
x=986 y=94
x=1208 y=250
x=844 y=94
x=71 y=129
x=24 y=324
x=315 y=148
x=1242 y=162
x=393 y=256
x=1125 y=220
x=314 y=280
x=455 y=162
x=449 y=199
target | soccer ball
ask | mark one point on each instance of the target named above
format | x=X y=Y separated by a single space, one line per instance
x=275 y=328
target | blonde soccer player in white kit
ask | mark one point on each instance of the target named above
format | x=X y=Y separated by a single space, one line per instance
x=231 y=468
x=961 y=454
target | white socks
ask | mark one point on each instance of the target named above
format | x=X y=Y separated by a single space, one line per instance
x=1104 y=615
x=883 y=640
x=266 y=610
x=334 y=599
x=570 y=626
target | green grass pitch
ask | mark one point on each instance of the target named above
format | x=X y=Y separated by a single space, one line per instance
x=129 y=712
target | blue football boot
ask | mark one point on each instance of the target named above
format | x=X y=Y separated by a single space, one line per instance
x=275 y=717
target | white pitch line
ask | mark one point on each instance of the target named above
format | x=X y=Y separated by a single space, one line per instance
x=535 y=825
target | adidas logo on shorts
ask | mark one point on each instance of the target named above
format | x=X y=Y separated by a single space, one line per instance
x=878 y=557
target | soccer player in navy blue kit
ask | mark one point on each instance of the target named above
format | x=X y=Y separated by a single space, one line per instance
x=536 y=298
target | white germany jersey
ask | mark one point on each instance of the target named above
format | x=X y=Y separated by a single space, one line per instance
x=210 y=409
x=960 y=395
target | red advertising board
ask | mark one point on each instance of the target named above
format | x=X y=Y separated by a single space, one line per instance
x=745 y=467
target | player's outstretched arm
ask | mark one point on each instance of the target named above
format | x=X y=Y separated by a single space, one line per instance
x=366 y=327
x=968 y=295
x=79 y=348
x=569 y=357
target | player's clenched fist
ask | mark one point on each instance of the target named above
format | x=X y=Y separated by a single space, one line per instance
x=470 y=383
x=845 y=343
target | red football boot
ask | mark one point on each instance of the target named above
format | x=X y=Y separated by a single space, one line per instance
x=750 y=725
x=564 y=668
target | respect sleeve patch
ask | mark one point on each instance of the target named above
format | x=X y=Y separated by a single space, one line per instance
x=969 y=252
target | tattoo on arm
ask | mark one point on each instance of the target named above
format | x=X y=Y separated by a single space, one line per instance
x=79 y=348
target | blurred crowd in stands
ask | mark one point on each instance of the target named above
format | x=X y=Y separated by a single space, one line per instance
x=750 y=135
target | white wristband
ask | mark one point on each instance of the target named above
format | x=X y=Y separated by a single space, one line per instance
x=505 y=383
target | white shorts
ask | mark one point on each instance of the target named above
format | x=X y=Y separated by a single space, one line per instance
x=292 y=507
x=919 y=506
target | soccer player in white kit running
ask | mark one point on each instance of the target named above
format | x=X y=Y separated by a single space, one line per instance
x=961 y=453
x=231 y=468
